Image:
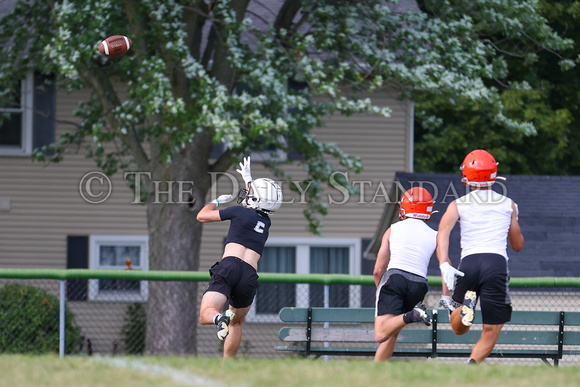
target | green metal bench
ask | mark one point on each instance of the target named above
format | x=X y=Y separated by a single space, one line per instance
x=350 y=332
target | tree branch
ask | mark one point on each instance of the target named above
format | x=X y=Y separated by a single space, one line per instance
x=138 y=28
x=102 y=86
x=194 y=18
x=287 y=14
x=223 y=162
x=221 y=68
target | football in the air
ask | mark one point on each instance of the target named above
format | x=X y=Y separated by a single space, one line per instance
x=115 y=45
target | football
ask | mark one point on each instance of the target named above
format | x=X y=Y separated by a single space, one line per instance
x=115 y=45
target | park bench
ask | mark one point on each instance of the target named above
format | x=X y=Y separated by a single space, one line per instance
x=349 y=332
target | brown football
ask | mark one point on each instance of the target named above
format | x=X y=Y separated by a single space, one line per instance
x=115 y=45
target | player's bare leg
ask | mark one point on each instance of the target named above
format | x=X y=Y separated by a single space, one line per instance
x=486 y=343
x=234 y=338
x=387 y=325
x=386 y=348
x=211 y=304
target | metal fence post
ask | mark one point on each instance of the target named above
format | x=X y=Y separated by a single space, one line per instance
x=61 y=319
x=326 y=305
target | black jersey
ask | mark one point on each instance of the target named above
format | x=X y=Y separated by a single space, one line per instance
x=248 y=227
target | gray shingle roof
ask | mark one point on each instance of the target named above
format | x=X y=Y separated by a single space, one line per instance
x=549 y=218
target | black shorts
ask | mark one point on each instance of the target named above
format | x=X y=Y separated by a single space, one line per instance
x=236 y=279
x=488 y=276
x=400 y=294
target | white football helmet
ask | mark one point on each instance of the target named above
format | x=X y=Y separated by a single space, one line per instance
x=265 y=195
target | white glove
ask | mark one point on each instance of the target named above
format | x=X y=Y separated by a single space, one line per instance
x=222 y=199
x=245 y=170
x=449 y=273
x=445 y=302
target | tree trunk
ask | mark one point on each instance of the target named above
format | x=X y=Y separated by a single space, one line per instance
x=174 y=244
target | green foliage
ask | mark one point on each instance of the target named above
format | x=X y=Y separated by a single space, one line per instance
x=29 y=321
x=134 y=328
x=179 y=91
x=532 y=124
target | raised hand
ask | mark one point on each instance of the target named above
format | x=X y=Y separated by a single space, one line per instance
x=245 y=170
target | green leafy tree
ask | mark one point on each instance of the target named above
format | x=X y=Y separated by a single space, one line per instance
x=204 y=73
x=531 y=124
x=30 y=319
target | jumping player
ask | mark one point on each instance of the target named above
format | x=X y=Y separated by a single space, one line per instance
x=488 y=221
x=406 y=248
x=235 y=276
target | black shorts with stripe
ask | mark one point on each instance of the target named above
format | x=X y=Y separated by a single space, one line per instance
x=400 y=293
x=488 y=276
x=236 y=279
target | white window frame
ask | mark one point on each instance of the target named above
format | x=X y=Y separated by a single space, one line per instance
x=302 y=246
x=26 y=108
x=95 y=242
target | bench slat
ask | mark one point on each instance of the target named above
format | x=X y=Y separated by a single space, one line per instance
x=352 y=335
x=446 y=336
x=349 y=350
x=522 y=317
x=424 y=335
x=328 y=315
x=572 y=318
x=459 y=352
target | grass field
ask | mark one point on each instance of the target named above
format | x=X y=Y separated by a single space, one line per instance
x=18 y=370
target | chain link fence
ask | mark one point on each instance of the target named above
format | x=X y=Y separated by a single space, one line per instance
x=109 y=316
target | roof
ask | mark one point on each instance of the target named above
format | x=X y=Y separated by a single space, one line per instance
x=549 y=219
x=6 y=6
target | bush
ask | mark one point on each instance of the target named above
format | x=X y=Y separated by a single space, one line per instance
x=29 y=321
x=134 y=329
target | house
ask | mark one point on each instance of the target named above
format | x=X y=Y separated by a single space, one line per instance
x=549 y=220
x=70 y=215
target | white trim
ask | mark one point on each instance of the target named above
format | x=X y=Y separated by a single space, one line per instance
x=95 y=241
x=27 y=109
x=303 y=246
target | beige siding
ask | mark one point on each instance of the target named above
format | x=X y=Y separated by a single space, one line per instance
x=383 y=146
x=46 y=206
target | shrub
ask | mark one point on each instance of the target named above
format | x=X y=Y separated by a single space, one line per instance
x=134 y=329
x=29 y=321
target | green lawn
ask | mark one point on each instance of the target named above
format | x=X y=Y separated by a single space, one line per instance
x=18 y=370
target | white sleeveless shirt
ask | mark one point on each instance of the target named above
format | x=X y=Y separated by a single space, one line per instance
x=412 y=244
x=485 y=219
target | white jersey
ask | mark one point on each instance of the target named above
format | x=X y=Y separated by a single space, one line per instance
x=485 y=219
x=412 y=244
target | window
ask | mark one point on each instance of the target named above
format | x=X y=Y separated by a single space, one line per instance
x=16 y=119
x=118 y=253
x=303 y=256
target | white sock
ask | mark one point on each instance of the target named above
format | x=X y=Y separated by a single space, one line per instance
x=216 y=318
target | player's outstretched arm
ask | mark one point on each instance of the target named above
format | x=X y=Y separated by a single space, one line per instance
x=515 y=237
x=210 y=213
x=383 y=257
x=446 y=224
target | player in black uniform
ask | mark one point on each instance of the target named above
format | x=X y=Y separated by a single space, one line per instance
x=235 y=276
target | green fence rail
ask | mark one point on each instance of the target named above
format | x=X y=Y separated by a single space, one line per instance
x=324 y=279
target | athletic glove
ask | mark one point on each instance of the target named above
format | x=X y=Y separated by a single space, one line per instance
x=245 y=170
x=449 y=273
x=445 y=302
x=222 y=199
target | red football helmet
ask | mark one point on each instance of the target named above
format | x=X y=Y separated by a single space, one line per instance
x=416 y=203
x=479 y=169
